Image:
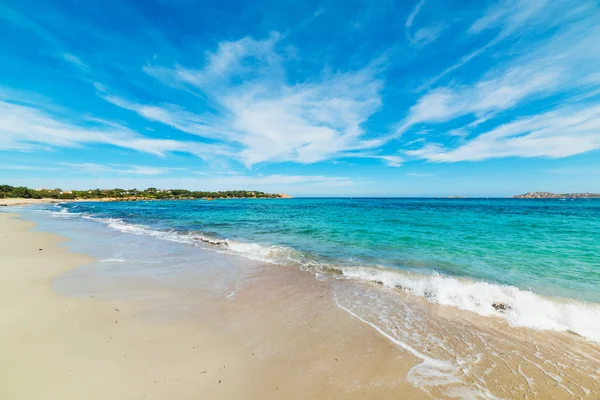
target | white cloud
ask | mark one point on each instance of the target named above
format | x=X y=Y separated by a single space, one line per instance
x=424 y=36
x=561 y=70
x=261 y=113
x=522 y=19
x=25 y=127
x=509 y=15
x=119 y=169
x=278 y=179
x=490 y=95
x=174 y=116
x=7 y=167
x=561 y=133
x=75 y=61
x=415 y=141
x=411 y=17
x=420 y=174
x=392 y=161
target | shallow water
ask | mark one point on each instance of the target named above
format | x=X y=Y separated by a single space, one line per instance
x=535 y=263
x=550 y=246
x=463 y=354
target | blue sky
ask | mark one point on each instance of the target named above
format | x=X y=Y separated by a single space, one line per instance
x=386 y=98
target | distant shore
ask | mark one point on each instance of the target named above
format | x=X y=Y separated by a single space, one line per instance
x=549 y=195
x=23 y=202
x=22 y=192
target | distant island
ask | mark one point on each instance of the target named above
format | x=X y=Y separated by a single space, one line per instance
x=548 y=195
x=21 y=192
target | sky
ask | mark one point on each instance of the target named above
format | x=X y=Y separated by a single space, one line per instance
x=310 y=98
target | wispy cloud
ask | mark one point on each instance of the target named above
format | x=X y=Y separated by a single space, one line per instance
x=24 y=127
x=555 y=134
x=119 y=169
x=8 y=167
x=411 y=17
x=392 y=161
x=263 y=114
x=279 y=179
x=490 y=95
x=424 y=35
x=76 y=61
x=508 y=15
x=559 y=69
x=420 y=174
x=494 y=79
x=514 y=18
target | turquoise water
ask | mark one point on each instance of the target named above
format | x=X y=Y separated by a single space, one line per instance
x=551 y=247
x=525 y=263
x=533 y=263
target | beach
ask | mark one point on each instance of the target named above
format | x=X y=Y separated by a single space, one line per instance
x=72 y=348
x=21 y=202
x=92 y=311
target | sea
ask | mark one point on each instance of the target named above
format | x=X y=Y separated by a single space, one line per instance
x=531 y=264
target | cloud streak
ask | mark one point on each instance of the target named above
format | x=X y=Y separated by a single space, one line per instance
x=413 y=14
x=94 y=168
x=25 y=128
x=261 y=113
x=496 y=111
x=555 y=134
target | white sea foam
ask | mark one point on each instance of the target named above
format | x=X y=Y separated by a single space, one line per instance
x=119 y=260
x=440 y=373
x=518 y=307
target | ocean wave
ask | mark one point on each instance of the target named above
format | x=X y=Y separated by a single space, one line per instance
x=518 y=307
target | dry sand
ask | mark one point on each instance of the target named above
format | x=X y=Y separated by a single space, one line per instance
x=280 y=336
x=22 y=202
x=277 y=339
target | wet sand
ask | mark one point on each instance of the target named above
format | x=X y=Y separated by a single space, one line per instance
x=279 y=336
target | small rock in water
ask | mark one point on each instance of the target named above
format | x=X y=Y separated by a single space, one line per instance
x=501 y=306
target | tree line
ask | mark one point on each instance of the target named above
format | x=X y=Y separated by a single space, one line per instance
x=7 y=191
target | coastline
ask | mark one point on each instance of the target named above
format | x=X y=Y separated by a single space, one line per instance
x=11 y=202
x=267 y=331
x=276 y=339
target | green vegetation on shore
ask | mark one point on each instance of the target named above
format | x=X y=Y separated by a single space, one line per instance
x=7 y=191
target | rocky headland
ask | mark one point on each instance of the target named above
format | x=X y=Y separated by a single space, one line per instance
x=549 y=195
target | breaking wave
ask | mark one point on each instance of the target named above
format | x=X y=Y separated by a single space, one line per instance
x=516 y=306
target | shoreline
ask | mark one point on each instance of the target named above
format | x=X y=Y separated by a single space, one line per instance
x=11 y=202
x=277 y=332
x=14 y=202
x=251 y=347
